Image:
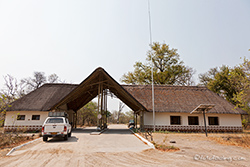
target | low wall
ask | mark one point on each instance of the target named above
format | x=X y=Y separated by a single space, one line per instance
x=22 y=128
x=195 y=128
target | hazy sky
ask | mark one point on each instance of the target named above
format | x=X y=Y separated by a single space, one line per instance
x=73 y=38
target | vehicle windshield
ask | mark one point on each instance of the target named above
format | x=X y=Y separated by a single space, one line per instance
x=55 y=120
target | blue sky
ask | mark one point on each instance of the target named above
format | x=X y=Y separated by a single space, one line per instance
x=72 y=38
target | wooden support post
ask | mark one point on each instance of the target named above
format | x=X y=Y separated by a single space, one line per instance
x=98 y=112
x=75 y=119
x=136 y=121
x=101 y=120
x=134 y=118
x=141 y=120
x=205 y=122
x=105 y=108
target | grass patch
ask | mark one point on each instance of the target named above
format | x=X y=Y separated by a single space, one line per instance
x=236 y=140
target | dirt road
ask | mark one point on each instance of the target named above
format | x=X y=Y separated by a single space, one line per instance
x=118 y=147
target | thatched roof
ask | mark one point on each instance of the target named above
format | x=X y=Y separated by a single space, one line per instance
x=43 y=98
x=88 y=89
x=137 y=97
x=180 y=98
x=56 y=96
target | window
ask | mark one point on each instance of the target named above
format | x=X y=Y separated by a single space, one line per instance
x=213 y=120
x=193 y=120
x=55 y=120
x=20 y=117
x=35 y=117
x=175 y=120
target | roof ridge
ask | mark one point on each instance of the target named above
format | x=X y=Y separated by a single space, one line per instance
x=47 y=84
x=170 y=86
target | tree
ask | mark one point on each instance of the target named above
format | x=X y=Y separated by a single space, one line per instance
x=243 y=94
x=4 y=104
x=224 y=81
x=123 y=118
x=87 y=115
x=12 y=88
x=232 y=83
x=121 y=106
x=38 y=80
x=167 y=68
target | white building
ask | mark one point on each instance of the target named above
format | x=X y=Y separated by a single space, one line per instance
x=173 y=106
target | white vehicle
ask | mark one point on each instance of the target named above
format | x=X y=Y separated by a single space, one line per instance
x=56 y=126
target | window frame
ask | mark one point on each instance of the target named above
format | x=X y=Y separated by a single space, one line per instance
x=35 y=117
x=195 y=121
x=19 y=117
x=172 y=116
x=209 y=118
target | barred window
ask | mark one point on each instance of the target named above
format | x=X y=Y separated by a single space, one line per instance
x=20 y=117
x=193 y=120
x=175 y=120
x=213 y=120
x=35 y=117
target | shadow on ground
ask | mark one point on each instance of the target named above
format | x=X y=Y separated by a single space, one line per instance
x=61 y=140
x=118 y=131
x=83 y=130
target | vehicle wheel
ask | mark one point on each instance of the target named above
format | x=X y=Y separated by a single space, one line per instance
x=45 y=138
x=66 y=137
x=69 y=135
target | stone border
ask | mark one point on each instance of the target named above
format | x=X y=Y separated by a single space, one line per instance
x=143 y=140
x=18 y=147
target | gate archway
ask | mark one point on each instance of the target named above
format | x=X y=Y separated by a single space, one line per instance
x=98 y=84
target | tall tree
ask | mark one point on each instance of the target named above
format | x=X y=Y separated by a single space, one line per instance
x=228 y=82
x=121 y=106
x=87 y=115
x=12 y=88
x=243 y=94
x=4 y=104
x=167 y=68
x=38 y=79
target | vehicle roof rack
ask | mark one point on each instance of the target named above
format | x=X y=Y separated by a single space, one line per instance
x=58 y=114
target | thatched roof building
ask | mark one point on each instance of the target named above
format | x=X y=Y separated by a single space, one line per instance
x=167 y=98
x=43 y=98
x=180 y=99
x=173 y=104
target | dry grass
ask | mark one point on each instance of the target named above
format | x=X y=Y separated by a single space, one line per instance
x=236 y=140
x=12 y=140
x=163 y=147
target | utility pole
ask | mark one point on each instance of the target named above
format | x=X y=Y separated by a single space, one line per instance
x=152 y=65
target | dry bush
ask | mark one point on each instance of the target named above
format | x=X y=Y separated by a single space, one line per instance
x=10 y=140
x=163 y=147
x=242 y=140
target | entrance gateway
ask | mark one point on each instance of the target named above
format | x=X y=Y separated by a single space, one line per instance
x=70 y=98
x=173 y=105
x=98 y=84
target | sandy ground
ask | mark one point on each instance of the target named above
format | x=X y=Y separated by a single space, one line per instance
x=118 y=147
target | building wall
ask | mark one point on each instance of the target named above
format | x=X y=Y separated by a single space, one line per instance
x=10 y=119
x=164 y=118
x=11 y=123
